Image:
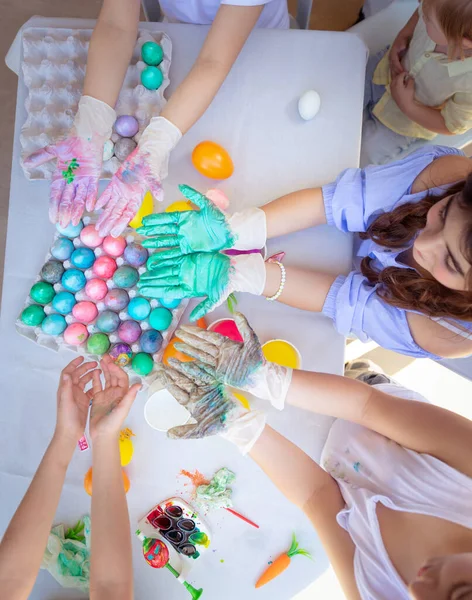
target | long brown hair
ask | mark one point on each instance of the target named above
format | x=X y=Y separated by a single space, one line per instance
x=455 y=19
x=407 y=288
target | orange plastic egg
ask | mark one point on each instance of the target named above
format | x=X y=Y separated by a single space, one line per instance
x=212 y=160
x=172 y=352
x=88 y=481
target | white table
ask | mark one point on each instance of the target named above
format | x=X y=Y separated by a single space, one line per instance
x=254 y=116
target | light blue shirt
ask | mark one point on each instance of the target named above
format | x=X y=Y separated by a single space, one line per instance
x=352 y=203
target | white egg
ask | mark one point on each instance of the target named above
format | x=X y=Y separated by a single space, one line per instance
x=309 y=104
x=108 y=149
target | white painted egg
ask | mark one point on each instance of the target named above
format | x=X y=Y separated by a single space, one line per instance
x=309 y=104
x=108 y=149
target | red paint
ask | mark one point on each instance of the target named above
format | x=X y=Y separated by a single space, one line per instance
x=163 y=522
x=227 y=328
x=236 y=514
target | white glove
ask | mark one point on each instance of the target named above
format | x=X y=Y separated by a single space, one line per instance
x=157 y=142
x=249 y=229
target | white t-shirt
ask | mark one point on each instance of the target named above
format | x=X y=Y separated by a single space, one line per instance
x=202 y=12
x=370 y=468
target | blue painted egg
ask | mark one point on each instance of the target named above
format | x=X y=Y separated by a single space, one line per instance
x=108 y=321
x=83 y=258
x=169 y=303
x=152 y=78
x=62 y=248
x=117 y=299
x=135 y=255
x=63 y=302
x=139 y=308
x=54 y=324
x=73 y=280
x=151 y=341
x=71 y=231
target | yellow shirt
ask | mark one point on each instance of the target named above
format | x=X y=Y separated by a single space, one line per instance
x=438 y=83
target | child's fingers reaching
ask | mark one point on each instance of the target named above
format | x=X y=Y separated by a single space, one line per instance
x=128 y=399
x=119 y=376
x=81 y=370
x=85 y=379
x=106 y=372
x=96 y=383
x=70 y=368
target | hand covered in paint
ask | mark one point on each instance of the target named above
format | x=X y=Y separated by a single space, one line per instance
x=196 y=387
x=110 y=404
x=73 y=401
x=206 y=230
x=143 y=170
x=213 y=275
x=74 y=186
x=238 y=364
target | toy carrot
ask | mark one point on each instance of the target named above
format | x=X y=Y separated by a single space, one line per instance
x=281 y=563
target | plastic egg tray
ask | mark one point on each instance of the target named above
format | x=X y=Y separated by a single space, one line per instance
x=54 y=62
x=176 y=523
x=37 y=334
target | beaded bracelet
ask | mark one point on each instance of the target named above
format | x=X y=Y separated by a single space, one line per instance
x=282 y=281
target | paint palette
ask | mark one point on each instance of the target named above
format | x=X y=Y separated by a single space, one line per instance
x=180 y=526
x=85 y=299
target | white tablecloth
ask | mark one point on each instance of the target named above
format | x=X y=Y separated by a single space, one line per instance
x=255 y=118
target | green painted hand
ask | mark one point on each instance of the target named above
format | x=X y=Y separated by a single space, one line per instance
x=189 y=276
x=205 y=230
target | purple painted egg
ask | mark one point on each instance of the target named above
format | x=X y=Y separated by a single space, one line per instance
x=129 y=332
x=117 y=299
x=121 y=354
x=127 y=126
x=135 y=255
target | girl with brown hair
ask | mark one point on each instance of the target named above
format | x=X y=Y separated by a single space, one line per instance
x=411 y=286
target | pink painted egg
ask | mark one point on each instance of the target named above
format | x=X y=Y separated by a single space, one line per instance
x=104 y=267
x=114 y=246
x=75 y=334
x=96 y=289
x=129 y=332
x=90 y=236
x=85 y=311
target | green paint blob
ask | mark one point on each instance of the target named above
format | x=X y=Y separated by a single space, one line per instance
x=142 y=363
x=69 y=173
x=222 y=560
x=152 y=53
x=42 y=292
x=98 y=343
x=200 y=538
x=33 y=315
x=160 y=318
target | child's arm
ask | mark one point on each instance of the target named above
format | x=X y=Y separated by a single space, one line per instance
x=402 y=88
x=111 y=569
x=110 y=50
x=308 y=486
x=419 y=426
x=24 y=542
x=401 y=43
x=224 y=42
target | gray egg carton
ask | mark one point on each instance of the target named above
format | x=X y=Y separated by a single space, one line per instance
x=54 y=62
x=37 y=335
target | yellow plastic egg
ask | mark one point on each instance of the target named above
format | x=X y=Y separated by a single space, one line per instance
x=282 y=353
x=179 y=206
x=242 y=399
x=126 y=447
x=146 y=208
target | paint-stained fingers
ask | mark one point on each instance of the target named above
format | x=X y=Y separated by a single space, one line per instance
x=197 y=341
x=106 y=372
x=96 y=384
x=162 y=291
x=157 y=219
x=194 y=196
x=166 y=258
x=165 y=227
x=180 y=379
x=55 y=195
x=119 y=375
x=202 y=309
x=171 y=274
x=78 y=206
x=66 y=203
x=194 y=371
x=182 y=432
x=247 y=332
x=81 y=369
x=85 y=380
x=92 y=194
x=179 y=394
x=196 y=353
x=210 y=337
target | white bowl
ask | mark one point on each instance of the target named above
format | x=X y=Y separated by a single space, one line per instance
x=162 y=411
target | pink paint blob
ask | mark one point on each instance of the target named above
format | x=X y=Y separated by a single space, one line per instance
x=104 y=267
x=114 y=246
x=90 y=236
x=129 y=332
x=227 y=328
x=85 y=311
x=96 y=289
x=75 y=334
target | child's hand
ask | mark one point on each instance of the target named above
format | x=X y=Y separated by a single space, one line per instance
x=397 y=52
x=110 y=405
x=402 y=88
x=72 y=400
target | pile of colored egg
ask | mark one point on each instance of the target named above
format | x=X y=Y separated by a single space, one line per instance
x=152 y=55
x=86 y=296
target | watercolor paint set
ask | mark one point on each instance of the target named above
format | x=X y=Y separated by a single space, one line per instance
x=179 y=525
x=86 y=299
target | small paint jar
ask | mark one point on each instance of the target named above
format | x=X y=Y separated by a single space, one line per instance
x=174 y=511
x=186 y=525
x=187 y=549
x=162 y=522
x=174 y=536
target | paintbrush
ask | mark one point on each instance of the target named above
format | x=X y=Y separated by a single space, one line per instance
x=236 y=514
